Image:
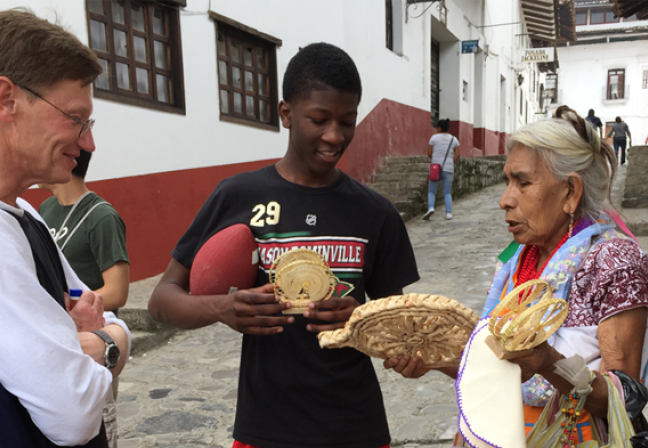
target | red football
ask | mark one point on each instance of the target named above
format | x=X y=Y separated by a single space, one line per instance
x=230 y=258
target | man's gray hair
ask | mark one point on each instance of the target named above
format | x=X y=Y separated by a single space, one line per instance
x=37 y=54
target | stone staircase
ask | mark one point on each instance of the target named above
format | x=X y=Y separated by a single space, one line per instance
x=404 y=181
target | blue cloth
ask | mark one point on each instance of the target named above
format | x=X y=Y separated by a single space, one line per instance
x=446 y=178
x=559 y=273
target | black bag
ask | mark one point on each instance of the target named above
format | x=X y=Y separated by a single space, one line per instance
x=636 y=397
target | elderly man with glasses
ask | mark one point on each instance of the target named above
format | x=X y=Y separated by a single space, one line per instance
x=58 y=356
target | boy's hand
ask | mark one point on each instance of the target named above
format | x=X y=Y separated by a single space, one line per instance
x=254 y=311
x=337 y=310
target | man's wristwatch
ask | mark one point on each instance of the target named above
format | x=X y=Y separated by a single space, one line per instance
x=111 y=356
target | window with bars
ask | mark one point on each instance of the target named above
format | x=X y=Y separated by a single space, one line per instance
x=247 y=74
x=138 y=45
x=616 y=84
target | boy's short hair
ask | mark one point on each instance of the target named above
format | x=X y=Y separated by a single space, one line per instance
x=82 y=161
x=37 y=54
x=317 y=67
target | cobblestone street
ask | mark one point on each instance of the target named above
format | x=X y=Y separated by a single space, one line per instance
x=183 y=394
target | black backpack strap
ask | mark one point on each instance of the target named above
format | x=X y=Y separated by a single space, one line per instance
x=49 y=268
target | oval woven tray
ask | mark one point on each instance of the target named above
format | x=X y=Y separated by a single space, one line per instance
x=431 y=327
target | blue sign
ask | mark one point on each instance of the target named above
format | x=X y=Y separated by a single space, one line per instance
x=469 y=46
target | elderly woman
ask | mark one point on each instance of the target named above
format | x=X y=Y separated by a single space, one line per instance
x=558 y=179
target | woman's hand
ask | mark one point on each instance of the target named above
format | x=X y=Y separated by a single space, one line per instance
x=406 y=366
x=540 y=360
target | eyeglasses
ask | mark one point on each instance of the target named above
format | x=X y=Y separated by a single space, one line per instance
x=85 y=127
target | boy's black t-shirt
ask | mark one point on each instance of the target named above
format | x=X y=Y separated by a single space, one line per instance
x=291 y=392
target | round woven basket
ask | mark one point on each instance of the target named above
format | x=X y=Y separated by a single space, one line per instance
x=431 y=327
x=301 y=276
x=527 y=316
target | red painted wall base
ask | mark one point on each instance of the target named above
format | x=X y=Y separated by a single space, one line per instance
x=157 y=209
x=390 y=129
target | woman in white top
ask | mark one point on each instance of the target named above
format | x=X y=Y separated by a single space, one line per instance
x=444 y=150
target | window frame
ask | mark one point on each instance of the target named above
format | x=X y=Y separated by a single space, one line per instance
x=246 y=35
x=389 y=25
x=605 y=12
x=174 y=71
x=553 y=99
x=620 y=73
x=583 y=11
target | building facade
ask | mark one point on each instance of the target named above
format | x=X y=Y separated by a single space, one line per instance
x=606 y=69
x=190 y=90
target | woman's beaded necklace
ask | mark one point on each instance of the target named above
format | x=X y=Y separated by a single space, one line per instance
x=530 y=261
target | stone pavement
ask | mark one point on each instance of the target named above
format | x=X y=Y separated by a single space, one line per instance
x=183 y=393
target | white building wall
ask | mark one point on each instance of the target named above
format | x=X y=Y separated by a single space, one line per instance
x=582 y=82
x=134 y=141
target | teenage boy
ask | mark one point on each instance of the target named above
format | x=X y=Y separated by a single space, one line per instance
x=292 y=393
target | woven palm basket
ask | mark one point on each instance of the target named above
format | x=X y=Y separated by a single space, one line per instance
x=431 y=327
x=301 y=276
x=527 y=316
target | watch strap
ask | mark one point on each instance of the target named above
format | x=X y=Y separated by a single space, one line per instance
x=110 y=345
x=105 y=336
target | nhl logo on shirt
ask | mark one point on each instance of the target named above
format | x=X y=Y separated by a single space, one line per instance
x=311 y=220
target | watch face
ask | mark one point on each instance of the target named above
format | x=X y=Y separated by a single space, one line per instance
x=112 y=356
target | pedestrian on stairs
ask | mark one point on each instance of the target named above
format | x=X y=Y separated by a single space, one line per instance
x=441 y=145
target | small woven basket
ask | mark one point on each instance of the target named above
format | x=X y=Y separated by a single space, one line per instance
x=527 y=316
x=301 y=276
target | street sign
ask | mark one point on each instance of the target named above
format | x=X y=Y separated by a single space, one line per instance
x=538 y=55
x=469 y=46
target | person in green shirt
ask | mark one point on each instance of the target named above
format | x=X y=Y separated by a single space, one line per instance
x=91 y=235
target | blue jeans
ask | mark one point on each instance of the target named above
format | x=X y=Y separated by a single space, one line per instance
x=446 y=178
x=620 y=144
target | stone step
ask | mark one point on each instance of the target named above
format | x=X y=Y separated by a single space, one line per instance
x=399 y=160
x=405 y=168
x=146 y=332
x=395 y=191
x=411 y=177
x=388 y=191
x=142 y=341
x=637 y=220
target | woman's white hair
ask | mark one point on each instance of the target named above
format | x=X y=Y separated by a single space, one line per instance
x=567 y=143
